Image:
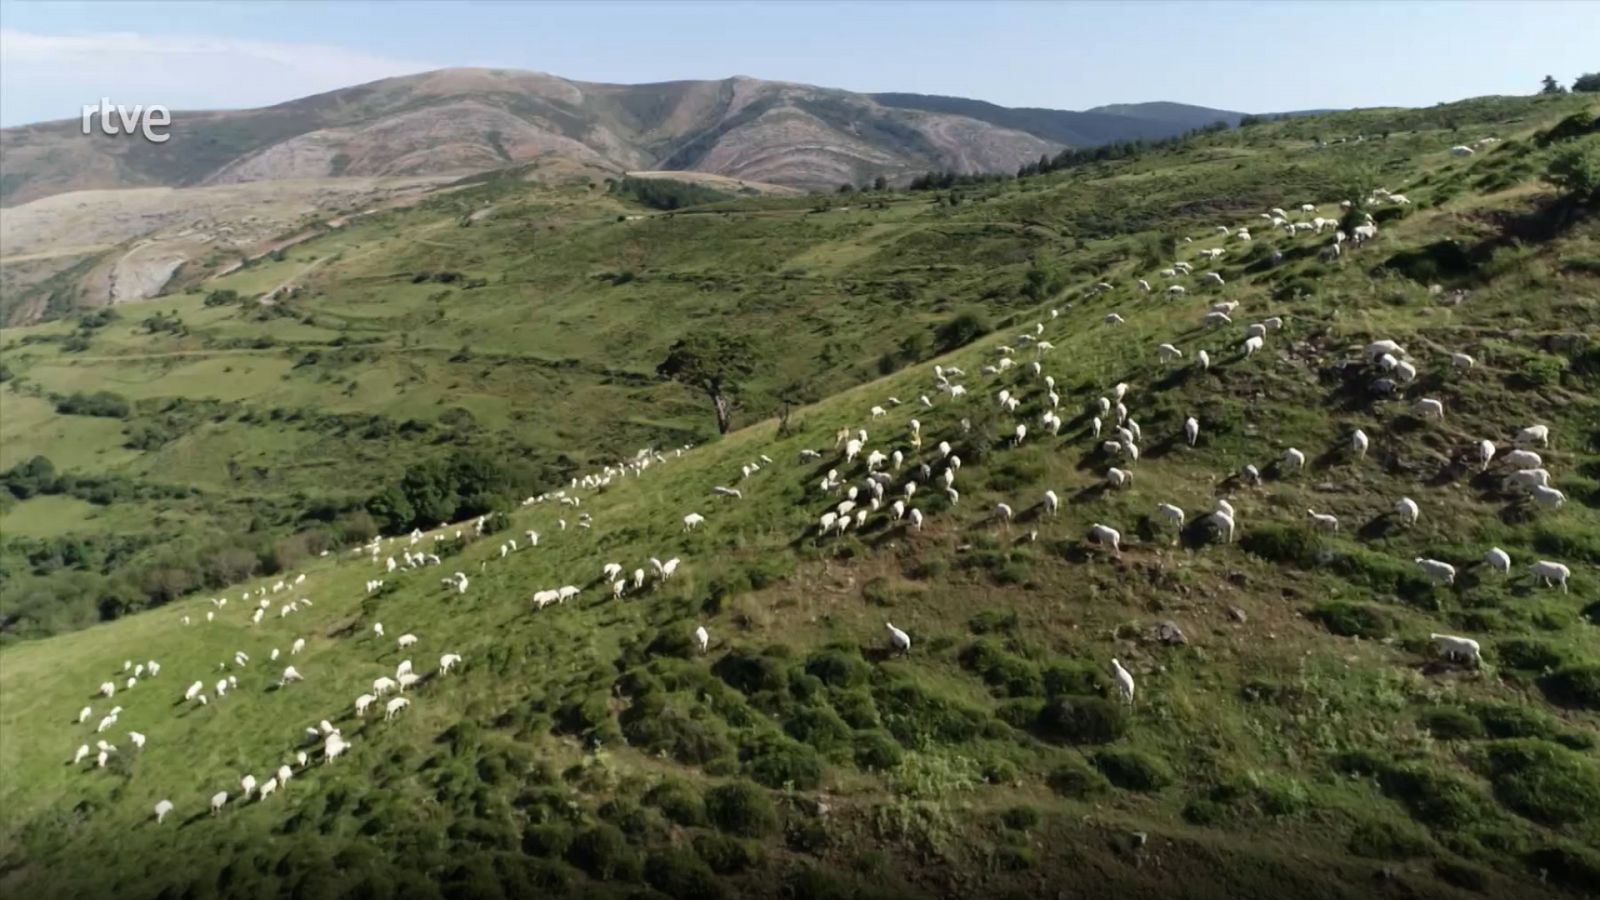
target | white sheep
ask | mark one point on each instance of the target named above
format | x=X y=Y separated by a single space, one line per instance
x=1539 y=434
x=1293 y=460
x=898 y=640
x=1551 y=573
x=1523 y=459
x=447 y=662
x=1223 y=523
x=1441 y=572
x=248 y=786
x=1017 y=437
x=1323 y=521
x=1114 y=319
x=83 y=751
x=333 y=748
x=407 y=680
x=1104 y=534
x=1498 y=560
x=137 y=738
x=377 y=629
x=364 y=701
x=1461 y=361
x=1118 y=478
x=1452 y=647
x=1528 y=479
x=1173 y=516
x=1486 y=450
x=1429 y=408
x=383 y=685
x=406 y=640
x=693 y=520
x=1168 y=353
x=290 y=674
x=1191 y=430
x=268 y=787
x=1052 y=503
x=1124 y=681
x=1252 y=344
x=916 y=519
x=218 y=800
x=702 y=638
x=1547 y=496
x=394 y=706
x=162 y=808
x=1407 y=510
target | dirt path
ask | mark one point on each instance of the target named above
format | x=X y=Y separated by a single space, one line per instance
x=267 y=297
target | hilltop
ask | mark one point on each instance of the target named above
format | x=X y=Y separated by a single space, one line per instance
x=1295 y=728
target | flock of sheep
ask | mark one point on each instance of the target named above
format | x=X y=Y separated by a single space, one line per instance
x=880 y=476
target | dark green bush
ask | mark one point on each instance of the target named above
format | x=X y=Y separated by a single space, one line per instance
x=820 y=727
x=1434 y=798
x=1528 y=654
x=1008 y=674
x=1133 y=770
x=1575 y=686
x=1082 y=720
x=991 y=621
x=548 y=839
x=1385 y=839
x=1295 y=545
x=726 y=855
x=918 y=718
x=654 y=725
x=1451 y=723
x=1074 y=778
x=1543 y=781
x=876 y=750
x=678 y=801
x=1571 y=866
x=749 y=672
x=838 y=668
x=1020 y=818
x=603 y=852
x=1503 y=720
x=681 y=875
x=1354 y=619
x=742 y=808
x=856 y=708
x=1074 y=679
x=778 y=762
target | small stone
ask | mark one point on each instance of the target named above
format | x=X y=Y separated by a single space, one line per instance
x=1237 y=614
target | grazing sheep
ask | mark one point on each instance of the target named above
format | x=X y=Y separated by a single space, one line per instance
x=137 y=738
x=377 y=629
x=1441 y=572
x=1358 y=443
x=1323 y=520
x=898 y=640
x=1114 y=319
x=1223 y=523
x=702 y=638
x=1498 y=560
x=1461 y=361
x=1252 y=344
x=1124 y=681
x=1118 y=478
x=284 y=774
x=1216 y=319
x=407 y=680
x=1528 y=479
x=1293 y=460
x=1212 y=278
x=383 y=685
x=1378 y=349
x=248 y=785
x=1532 y=434
x=916 y=519
x=83 y=751
x=162 y=808
x=394 y=706
x=1486 y=451
x=1052 y=503
x=1406 y=509
x=333 y=748
x=267 y=788
x=693 y=520
x=1547 y=496
x=1191 y=430
x=1173 y=516
x=218 y=800
x=1429 y=408
x=406 y=640
x=1523 y=459
x=365 y=700
x=1104 y=534
x=1167 y=353
x=1551 y=573
x=1251 y=474
x=1457 y=648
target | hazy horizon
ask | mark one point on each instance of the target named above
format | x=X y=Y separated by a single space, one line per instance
x=55 y=57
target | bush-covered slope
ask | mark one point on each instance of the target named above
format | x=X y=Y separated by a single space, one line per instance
x=1294 y=728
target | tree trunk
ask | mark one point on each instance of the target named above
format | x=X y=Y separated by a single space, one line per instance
x=724 y=412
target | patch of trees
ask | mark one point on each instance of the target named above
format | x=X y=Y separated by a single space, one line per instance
x=100 y=403
x=665 y=194
x=38 y=476
x=164 y=323
x=449 y=490
x=1587 y=84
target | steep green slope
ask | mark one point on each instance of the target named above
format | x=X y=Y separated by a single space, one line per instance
x=1303 y=737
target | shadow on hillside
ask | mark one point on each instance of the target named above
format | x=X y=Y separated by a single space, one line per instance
x=1381 y=526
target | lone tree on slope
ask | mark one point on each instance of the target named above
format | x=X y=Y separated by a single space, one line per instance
x=714 y=363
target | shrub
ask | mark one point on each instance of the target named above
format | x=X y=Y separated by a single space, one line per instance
x=1294 y=545
x=1354 y=619
x=1574 y=867
x=1007 y=673
x=1502 y=720
x=1132 y=770
x=749 y=672
x=918 y=718
x=1575 y=686
x=1020 y=818
x=678 y=801
x=993 y=620
x=820 y=727
x=651 y=724
x=779 y=762
x=741 y=808
x=1074 y=778
x=1082 y=720
x=1528 y=654
x=680 y=874
x=603 y=852
x=726 y=855
x=1388 y=840
x=1433 y=798
x=1077 y=679
x=876 y=750
x=1451 y=723
x=1016 y=859
x=856 y=708
x=1543 y=781
x=838 y=668
x=549 y=839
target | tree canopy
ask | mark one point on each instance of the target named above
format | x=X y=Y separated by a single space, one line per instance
x=712 y=362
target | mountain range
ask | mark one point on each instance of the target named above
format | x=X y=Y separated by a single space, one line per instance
x=468 y=120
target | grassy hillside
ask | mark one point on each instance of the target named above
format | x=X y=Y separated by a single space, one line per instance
x=1302 y=735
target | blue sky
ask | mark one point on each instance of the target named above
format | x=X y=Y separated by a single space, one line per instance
x=1255 y=57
